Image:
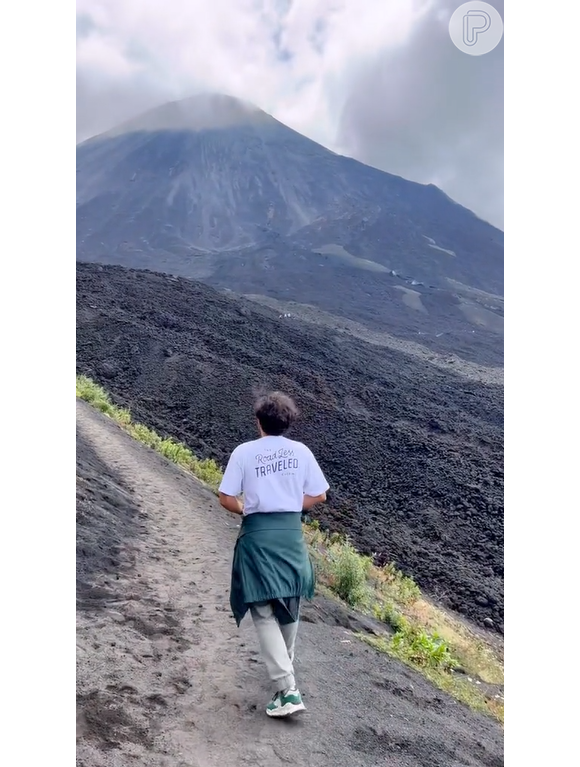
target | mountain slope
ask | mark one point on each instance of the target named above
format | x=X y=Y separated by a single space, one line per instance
x=214 y=189
x=413 y=452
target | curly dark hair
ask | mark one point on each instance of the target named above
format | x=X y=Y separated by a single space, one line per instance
x=275 y=412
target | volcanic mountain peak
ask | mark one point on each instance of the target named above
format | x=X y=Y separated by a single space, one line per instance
x=205 y=111
x=214 y=188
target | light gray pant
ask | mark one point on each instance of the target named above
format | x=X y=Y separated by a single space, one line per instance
x=277 y=645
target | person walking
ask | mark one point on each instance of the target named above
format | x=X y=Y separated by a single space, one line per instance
x=271 y=571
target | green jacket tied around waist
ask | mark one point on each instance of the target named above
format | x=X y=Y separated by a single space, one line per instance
x=270 y=562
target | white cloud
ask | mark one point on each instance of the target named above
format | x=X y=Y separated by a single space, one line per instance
x=303 y=61
x=102 y=54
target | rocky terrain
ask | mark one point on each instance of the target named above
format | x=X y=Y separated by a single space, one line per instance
x=413 y=451
x=166 y=679
x=217 y=190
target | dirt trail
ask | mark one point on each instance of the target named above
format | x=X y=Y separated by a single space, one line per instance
x=166 y=679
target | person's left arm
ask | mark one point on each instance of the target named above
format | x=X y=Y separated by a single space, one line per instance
x=232 y=485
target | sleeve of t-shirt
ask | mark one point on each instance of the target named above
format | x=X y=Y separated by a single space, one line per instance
x=232 y=481
x=315 y=482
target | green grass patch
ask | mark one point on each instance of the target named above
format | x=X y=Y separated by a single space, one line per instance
x=417 y=632
x=204 y=469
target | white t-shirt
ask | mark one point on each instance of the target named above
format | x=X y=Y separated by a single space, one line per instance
x=274 y=474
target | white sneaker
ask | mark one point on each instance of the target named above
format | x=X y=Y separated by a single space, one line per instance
x=286 y=703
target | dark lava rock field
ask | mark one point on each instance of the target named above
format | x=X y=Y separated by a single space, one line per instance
x=414 y=454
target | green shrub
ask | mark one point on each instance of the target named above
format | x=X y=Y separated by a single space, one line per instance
x=388 y=613
x=422 y=649
x=145 y=435
x=209 y=471
x=400 y=587
x=349 y=572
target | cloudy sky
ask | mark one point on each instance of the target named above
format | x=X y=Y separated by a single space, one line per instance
x=378 y=80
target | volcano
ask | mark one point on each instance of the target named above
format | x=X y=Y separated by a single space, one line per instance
x=215 y=189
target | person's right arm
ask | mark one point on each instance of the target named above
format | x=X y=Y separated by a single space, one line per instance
x=315 y=484
x=311 y=500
